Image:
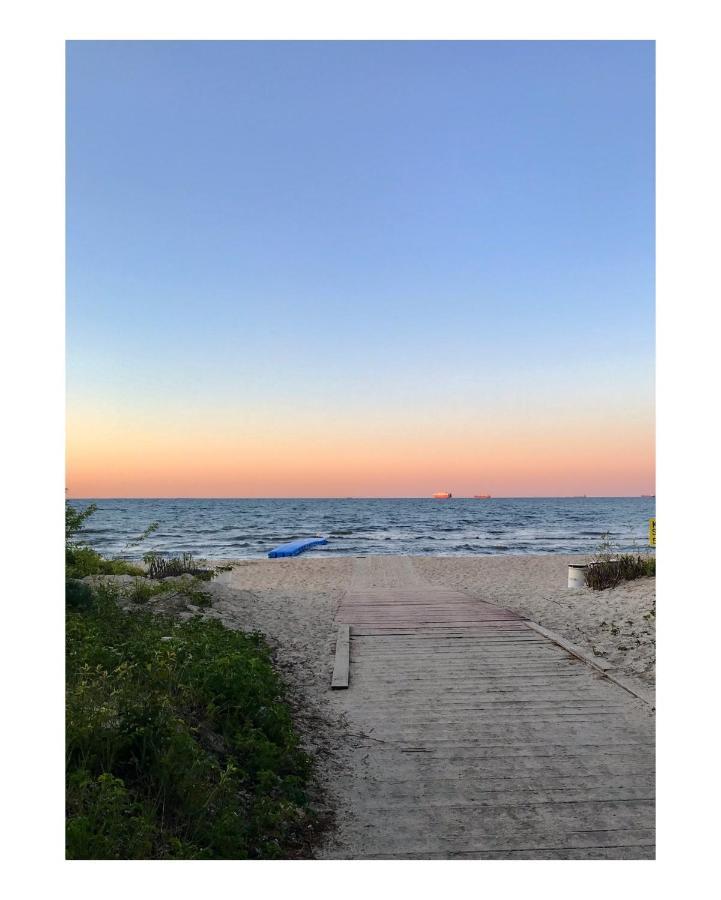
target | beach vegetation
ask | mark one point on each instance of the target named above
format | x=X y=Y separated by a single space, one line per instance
x=81 y=560
x=161 y=567
x=143 y=590
x=141 y=538
x=179 y=739
x=609 y=568
x=75 y=520
x=180 y=744
x=77 y=594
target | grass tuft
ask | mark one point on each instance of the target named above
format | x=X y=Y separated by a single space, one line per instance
x=159 y=567
x=608 y=573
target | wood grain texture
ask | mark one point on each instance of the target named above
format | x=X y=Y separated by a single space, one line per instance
x=341 y=669
x=482 y=738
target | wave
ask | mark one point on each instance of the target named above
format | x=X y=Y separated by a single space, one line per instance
x=251 y=528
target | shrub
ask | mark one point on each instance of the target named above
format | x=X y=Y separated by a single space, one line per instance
x=80 y=560
x=605 y=573
x=141 y=591
x=179 y=743
x=83 y=561
x=104 y=821
x=77 y=595
x=75 y=519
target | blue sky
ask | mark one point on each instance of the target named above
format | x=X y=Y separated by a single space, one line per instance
x=355 y=226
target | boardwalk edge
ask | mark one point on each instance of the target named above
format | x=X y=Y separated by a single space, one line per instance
x=605 y=668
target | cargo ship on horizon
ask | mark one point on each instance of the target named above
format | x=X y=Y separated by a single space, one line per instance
x=442 y=495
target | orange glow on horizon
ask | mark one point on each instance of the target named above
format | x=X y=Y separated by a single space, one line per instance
x=107 y=458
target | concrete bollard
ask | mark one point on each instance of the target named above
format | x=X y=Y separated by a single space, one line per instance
x=577 y=575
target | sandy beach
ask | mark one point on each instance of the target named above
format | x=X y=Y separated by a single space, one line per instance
x=313 y=307
x=360 y=739
x=293 y=602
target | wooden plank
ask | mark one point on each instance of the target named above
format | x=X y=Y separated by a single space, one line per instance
x=648 y=696
x=482 y=736
x=587 y=657
x=341 y=670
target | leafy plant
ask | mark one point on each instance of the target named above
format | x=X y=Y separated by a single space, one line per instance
x=75 y=520
x=104 y=819
x=179 y=743
x=77 y=595
x=142 y=591
x=81 y=560
x=151 y=529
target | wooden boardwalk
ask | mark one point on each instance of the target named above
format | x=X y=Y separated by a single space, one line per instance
x=482 y=739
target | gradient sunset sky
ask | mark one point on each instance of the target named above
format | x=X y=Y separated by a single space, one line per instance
x=360 y=269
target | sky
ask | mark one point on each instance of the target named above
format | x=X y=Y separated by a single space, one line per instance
x=322 y=269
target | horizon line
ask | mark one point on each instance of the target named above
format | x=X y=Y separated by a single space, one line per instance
x=408 y=497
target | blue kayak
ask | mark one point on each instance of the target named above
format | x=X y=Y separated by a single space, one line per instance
x=296 y=547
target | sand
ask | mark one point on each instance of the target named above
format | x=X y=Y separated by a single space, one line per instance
x=293 y=603
x=618 y=625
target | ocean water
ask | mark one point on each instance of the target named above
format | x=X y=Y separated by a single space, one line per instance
x=250 y=528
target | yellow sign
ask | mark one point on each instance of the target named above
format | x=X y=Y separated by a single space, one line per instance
x=652 y=532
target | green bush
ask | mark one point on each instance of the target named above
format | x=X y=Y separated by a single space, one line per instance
x=104 y=821
x=82 y=561
x=144 y=590
x=78 y=595
x=179 y=742
x=606 y=573
x=75 y=520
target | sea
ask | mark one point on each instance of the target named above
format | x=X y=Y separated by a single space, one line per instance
x=225 y=528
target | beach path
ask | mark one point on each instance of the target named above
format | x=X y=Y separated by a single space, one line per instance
x=479 y=738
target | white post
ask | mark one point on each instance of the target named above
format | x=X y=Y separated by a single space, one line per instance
x=577 y=575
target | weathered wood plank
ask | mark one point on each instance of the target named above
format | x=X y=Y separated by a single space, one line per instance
x=646 y=694
x=595 y=661
x=341 y=669
x=480 y=736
